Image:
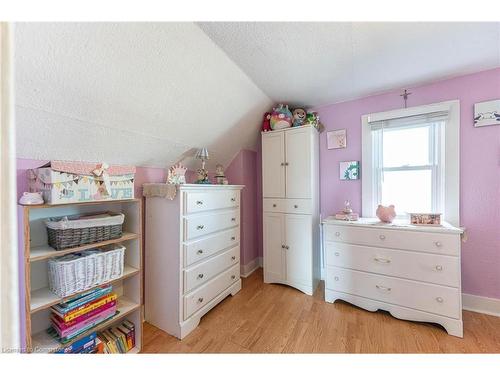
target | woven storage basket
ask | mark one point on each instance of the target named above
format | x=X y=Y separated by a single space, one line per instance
x=72 y=231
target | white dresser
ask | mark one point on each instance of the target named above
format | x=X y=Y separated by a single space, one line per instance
x=290 y=187
x=192 y=254
x=412 y=272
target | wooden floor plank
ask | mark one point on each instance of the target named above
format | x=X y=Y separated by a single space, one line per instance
x=269 y=318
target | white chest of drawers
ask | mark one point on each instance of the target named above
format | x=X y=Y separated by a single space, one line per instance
x=411 y=272
x=192 y=255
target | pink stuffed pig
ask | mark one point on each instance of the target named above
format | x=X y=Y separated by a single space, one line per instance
x=386 y=214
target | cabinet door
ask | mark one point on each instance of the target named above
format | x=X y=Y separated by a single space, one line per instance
x=274 y=254
x=298 y=163
x=273 y=169
x=298 y=232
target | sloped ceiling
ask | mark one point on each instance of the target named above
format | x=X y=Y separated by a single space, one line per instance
x=321 y=63
x=130 y=93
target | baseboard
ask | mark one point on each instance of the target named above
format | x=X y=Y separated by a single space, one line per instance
x=483 y=305
x=247 y=269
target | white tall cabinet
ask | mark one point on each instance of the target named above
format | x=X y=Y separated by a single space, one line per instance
x=290 y=188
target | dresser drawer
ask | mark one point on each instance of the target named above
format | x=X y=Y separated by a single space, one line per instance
x=432 y=298
x=439 y=243
x=207 y=292
x=200 y=225
x=195 y=251
x=200 y=274
x=438 y=269
x=212 y=200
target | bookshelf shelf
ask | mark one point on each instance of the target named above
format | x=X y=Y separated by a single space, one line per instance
x=36 y=252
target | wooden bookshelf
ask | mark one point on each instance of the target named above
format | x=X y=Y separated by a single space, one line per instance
x=36 y=252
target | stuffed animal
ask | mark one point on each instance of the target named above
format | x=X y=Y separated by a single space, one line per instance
x=386 y=214
x=299 y=117
x=266 y=123
x=281 y=117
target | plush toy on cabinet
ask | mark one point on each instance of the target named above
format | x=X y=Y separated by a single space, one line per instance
x=281 y=117
x=266 y=123
x=299 y=117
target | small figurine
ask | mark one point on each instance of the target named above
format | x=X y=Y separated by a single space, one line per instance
x=202 y=177
x=347 y=207
x=299 y=117
x=266 y=123
x=176 y=174
x=281 y=117
x=220 y=178
x=386 y=214
x=31 y=198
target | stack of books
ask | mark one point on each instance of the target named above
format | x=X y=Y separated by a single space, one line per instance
x=80 y=314
x=87 y=344
x=118 y=339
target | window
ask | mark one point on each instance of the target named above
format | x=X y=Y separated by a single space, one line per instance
x=405 y=160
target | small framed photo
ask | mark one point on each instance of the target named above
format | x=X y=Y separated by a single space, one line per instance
x=349 y=170
x=487 y=113
x=336 y=139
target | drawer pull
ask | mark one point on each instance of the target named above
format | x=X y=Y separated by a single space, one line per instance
x=337 y=254
x=382 y=237
x=295 y=206
x=440 y=299
x=233 y=238
x=233 y=277
x=274 y=205
x=233 y=219
x=381 y=260
x=233 y=199
x=337 y=234
x=200 y=300
x=199 y=252
x=200 y=276
x=336 y=278
x=286 y=163
x=199 y=203
x=200 y=227
x=439 y=268
x=383 y=288
x=282 y=164
x=233 y=257
x=287 y=247
x=438 y=244
x=282 y=246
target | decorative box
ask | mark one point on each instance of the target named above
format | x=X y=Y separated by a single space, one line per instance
x=71 y=182
x=425 y=219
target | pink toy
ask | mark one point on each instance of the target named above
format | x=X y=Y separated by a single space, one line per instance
x=266 y=123
x=386 y=214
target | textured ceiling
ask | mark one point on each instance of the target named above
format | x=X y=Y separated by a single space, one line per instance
x=138 y=93
x=320 y=63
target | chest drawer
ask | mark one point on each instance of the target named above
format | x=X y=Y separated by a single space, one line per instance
x=195 y=251
x=200 y=225
x=438 y=269
x=273 y=205
x=198 y=275
x=212 y=200
x=290 y=206
x=439 y=243
x=432 y=298
x=203 y=295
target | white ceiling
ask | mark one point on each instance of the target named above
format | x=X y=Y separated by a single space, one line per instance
x=149 y=93
x=321 y=63
x=138 y=93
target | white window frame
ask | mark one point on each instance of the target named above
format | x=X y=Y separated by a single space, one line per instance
x=449 y=157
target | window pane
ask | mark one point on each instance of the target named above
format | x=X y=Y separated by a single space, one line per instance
x=409 y=191
x=408 y=146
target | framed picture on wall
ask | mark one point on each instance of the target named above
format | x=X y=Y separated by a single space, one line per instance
x=336 y=139
x=487 y=113
x=349 y=170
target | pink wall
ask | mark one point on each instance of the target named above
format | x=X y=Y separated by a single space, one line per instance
x=479 y=167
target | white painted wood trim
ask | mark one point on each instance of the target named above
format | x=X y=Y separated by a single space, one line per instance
x=250 y=267
x=479 y=304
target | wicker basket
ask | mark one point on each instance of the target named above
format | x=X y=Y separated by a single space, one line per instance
x=72 y=231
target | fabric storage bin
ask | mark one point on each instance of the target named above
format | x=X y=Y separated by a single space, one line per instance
x=70 y=182
x=78 y=272
x=72 y=231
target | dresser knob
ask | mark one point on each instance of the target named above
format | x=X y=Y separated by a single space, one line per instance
x=282 y=164
x=199 y=252
x=336 y=278
x=274 y=205
x=337 y=254
x=199 y=203
x=200 y=300
x=382 y=237
x=337 y=234
x=233 y=199
x=439 y=268
x=383 y=288
x=439 y=299
x=438 y=244
x=233 y=238
x=233 y=219
x=200 y=227
x=233 y=277
x=295 y=206
x=233 y=257
x=382 y=260
x=200 y=276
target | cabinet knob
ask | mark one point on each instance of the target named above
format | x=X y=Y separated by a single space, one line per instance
x=200 y=276
x=233 y=219
x=199 y=252
x=336 y=278
x=200 y=300
x=287 y=247
x=233 y=257
x=199 y=203
x=337 y=254
x=282 y=246
x=233 y=277
x=233 y=238
x=382 y=237
x=337 y=234
x=295 y=206
x=286 y=163
x=439 y=268
x=438 y=244
x=274 y=204
x=200 y=227
x=383 y=288
x=440 y=299
x=233 y=199
x=282 y=164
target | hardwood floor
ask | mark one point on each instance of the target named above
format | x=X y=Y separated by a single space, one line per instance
x=268 y=318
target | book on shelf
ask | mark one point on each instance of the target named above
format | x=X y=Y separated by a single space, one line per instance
x=117 y=339
x=85 y=343
x=82 y=299
x=72 y=314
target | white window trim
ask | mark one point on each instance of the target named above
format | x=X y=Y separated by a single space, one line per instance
x=451 y=156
